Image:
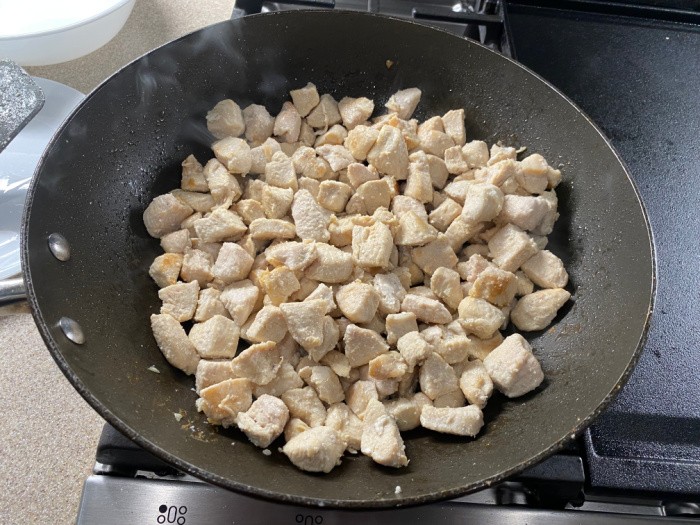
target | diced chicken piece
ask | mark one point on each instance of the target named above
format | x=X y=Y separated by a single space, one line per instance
x=240 y=299
x=375 y=194
x=360 y=141
x=435 y=254
x=225 y=120
x=480 y=348
x=406 y=411
x=192 y=176
x=188 y=224
x=261 y=155
x=454 y=160
x=525 y=212
x=436 y=168
x=307 y=164
x=524 y=284
x=511 y=247
x=355 y=111
x=404 y=102
x=358 y=396
x=176 y=242
x=389 y=155
x=311 y=185
x=269 y=324
x=476 y=153
x=372 y=245
x=461 y=230
x=268 y=229
x=334 y=195
x=402 y=204
x=434 y=142
x=325 y=114
x=419 y=184
x=305 y=99
x=336 y=135
x=323 y=293
x=331 y=266
x=362 y=345
x=536 y=310
x=258 y=124
x=338 y=362
x=547 y=224
x=179 y=300
x=546 y=270
x=221 y=224
x=454 y=399
x=276 y=202
x=165 y=269
x=232 y=264
x=293 y=428
x=436 y=377
x=358 y=301
x=500 y=153
x=381 y=439
x=478 y=317
x=305 y=322
x=426 y=309
x=233 y=153
x=209 y=305
x=164 y=215
x=249 y=210
x=311 y=219
x=358 y=174
x=471 y=269
x=457 y=190
x=201 y=202
x=514 y=369
x=287 y=124
x=445 y=284
x=442 y=216
x=391 y=292
x=325 y=382
x=476 y=384
x=316 y=450
x=462 y=421
x=387 y=366
x=500 y=173
x=286 y=379
x=483 y=202
x=279 y=284
x=341 y=419
x=414 y=349
x=398 y=325
x=212 y=372
x=532 y=174
x=414 y=230
x=306 y=286
x=174 y=343
x=451 y=343
x=259 y=363
x=496 y=286
x=216 y=338
x=224 y=187
x=304 y=404
x=196 y=266
x=338 y=157
x=280 y=172
x=453 y=122
x=222 y=402
x=264 y=421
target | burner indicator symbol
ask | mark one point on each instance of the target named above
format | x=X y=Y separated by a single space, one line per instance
x=172 y=514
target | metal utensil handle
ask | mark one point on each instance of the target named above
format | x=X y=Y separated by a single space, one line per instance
x=12 y=289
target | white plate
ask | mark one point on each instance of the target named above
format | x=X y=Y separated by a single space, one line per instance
x=18 y=162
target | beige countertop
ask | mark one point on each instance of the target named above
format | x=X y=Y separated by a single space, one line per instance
x=48 y=434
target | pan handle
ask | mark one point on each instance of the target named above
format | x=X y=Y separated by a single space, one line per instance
x=11 y=290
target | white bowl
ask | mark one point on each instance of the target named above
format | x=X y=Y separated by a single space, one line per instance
x=43 y=32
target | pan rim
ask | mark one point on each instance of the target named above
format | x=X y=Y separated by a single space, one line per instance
x=315 y=502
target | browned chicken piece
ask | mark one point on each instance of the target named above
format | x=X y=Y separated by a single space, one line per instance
x=536 y=310
x=287 y=124
x=404 y=102
x=304 y=404
x=165 y=269
x=387 y=366
x=164 y=215
x=389 y=155
x=381 y=439
x=264 y=421
x=476 y=383
x=479 y=317
x=513 y=368
x=305 y=99
x=496 y=286
x=360 y=141
x=362 y=345
x=174 y=343
x=355 y=111
x=316 y=450
x=192 y=177
x=546 y=270
x=462 y=421
x=225 y=120
x=222 y=402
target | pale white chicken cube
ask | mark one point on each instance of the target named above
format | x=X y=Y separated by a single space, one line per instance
x=311 y=220
x=375 y=194
x=387 y=366
x=426 y=309
x=221 y=224
x=201 y=202
x=293 y=428
x=331 y=265
x=269 y=229
x=276 y=202
x=336 y=135
x=280 y=172
x=513 y=368
x=306 y=286
x=234 y=153
x=398 y=325
x=165 y=269
x=307 y=164
x=355 y=111
x=279 y=284
x=176 y=242
x=325 y=382
x=547 y=224
x=434 y=142
x=536 y=310
x=390 y=291
x=232 y=264
x=192 y=178
x=407 y=411
x=476 y=153
x=437 y=169
x=258 y=124
x=262 y=154
x=287 y=124
x=294 y=255
x=358 y=174
x=334 y=195
x=446 y=285
x=414 y=349
x=471 y=268
x=264 y=421
x=225 y=120
x=483 y=202
x=341 y=419
x=457 y=190
x=249 y=210
x=197 y=266
x=179 y=300
x=304 y=404
x=362 y=345
x=259 y=363
x=209 y=305
x=164 y=215
x=401 y=204
x=404 y=102
x=435 y=254
x=188 y=224
x=389 y=154
x=461 y=230
x=305 y=322
x=222 y=402
x=419 y=184
x=454 y=399
x=212 y=372
x=305 y=99
x=511 y=247
x=216 y=338
x=462 y=421
x=453 y=122
x=546 y=270
x=414 y=230
x=269 y=324
x=436 y=377
x=526 y=212
x=338 y=157
x=479 y=348
x=285 y=379
x=358 y=301
x=479 y=317
x=381 y=439
x=475 y=383
x=524 y=284
x=455 y=161
x=325 y=114
x=315 y=450
x=360 y=141
x=533 y=174
x=173 y=342
x=323 y=293
x=338 y=362
x=359 y=394
x=442 y=216
x=494 y=285
x=500 y=153
x=372 y=245
x=240 y=299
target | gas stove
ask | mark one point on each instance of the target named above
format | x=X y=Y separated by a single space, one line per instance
x=634 y=68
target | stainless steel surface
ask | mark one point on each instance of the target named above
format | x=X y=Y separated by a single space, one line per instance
x=113 y=500
x=12 y=290
x=72 y=330
x=59 y=247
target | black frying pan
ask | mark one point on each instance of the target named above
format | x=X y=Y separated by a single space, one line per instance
x=124 y=144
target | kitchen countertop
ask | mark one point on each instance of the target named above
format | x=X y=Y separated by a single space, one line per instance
x=48 y=434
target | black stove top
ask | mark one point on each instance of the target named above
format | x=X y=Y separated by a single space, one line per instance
x=634 y=68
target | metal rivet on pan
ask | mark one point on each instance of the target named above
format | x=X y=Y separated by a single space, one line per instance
x=59 y=246
x=72 y=330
